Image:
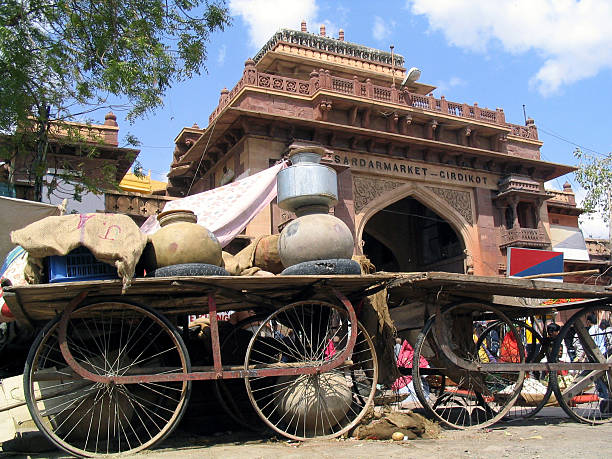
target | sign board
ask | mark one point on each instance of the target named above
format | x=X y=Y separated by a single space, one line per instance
x=529 y=262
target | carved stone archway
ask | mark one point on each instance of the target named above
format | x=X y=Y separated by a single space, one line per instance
x=372 y=195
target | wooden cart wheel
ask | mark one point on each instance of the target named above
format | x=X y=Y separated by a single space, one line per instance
x=320 y=405
x=528 y=404
x=459 y=398
x=92 y=419
x=585 y=395
x=231 y=393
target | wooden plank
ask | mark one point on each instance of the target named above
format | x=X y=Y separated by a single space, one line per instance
x=188 y=294
x=408 y=284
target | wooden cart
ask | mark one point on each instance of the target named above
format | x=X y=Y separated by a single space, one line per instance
x=469 y=382
x=111 y=373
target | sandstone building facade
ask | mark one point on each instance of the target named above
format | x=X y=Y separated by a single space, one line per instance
x=425 y=183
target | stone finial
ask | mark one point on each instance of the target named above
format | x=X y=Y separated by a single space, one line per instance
x=303 y=26
x=341 y=35
x=223 y=96
x=567 y=187
x=249 y=62
x=322 y=30
x=110 y=119
x=530 y=122
x=195 y=126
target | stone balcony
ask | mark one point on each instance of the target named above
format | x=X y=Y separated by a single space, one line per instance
x=322 y=80
x=524 y=237
x=136 y=205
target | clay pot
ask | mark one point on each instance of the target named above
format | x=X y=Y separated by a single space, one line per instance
x=182 y=240
x=266 y=254
x=305 y=395
x=315 y=237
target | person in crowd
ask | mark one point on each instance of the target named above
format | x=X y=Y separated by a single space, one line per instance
x=606 y=329
x=598 y=337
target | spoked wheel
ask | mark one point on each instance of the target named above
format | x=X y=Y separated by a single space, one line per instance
x=328 y=404
x=460 y=398
x=531 y=399
x=231 y=393
x=86 y=418
x=585 y=395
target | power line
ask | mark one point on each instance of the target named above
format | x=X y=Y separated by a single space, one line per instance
x=569 y=141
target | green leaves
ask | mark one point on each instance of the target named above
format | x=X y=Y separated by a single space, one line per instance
x=71 y=54
x=595 y=176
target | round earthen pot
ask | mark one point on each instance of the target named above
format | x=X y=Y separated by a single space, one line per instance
x=181 y=240
x=266 y=254
x=315 y=237
x=305 y=395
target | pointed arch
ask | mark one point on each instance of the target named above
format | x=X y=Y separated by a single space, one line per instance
x=428 y=198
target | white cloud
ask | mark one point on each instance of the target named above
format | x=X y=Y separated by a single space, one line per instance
x=593 y=226
x=453 y=82
x=265 y=17
x=573 y=37
x=222 y=54
x=381 y=30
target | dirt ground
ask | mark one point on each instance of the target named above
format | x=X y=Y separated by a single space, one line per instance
x=550 y=436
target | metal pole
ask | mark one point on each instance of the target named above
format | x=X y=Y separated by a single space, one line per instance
x=609 y=228
x=392 y=66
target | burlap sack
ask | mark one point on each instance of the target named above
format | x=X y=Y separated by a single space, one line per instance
x=112 y=238
x=243 y=263
x=375 y=317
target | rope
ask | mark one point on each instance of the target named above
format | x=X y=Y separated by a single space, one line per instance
x=212 y=130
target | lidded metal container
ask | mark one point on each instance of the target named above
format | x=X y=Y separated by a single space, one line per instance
x=306 y=186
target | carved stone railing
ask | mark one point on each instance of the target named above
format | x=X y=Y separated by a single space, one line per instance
x=522 y=183
x=329 y=45
x=527 y=132
x=524 y=237
x=134 y=204
x=561 y=197
x=322 y=80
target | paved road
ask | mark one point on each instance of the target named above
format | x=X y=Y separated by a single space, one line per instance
x=549 y=436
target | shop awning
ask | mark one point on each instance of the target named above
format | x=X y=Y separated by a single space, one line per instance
x=570 y=241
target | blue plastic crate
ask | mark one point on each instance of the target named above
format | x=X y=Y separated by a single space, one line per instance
x=79 y=265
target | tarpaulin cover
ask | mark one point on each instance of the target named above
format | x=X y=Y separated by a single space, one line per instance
x=228 y=209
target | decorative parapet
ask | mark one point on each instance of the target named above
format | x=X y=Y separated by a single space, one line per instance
x=530 y=131
x=106 y=133
x=329 y=45
x=134 y=204
x=520 y=183
x=560 y=197
x=322 y=80
x=524 y=237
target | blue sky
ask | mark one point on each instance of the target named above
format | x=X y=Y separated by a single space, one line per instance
x=553 y=56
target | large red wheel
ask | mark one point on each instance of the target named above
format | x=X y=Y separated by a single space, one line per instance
x=86 y=418
x=458 y=397
x=322 y=404
x=585 y=395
